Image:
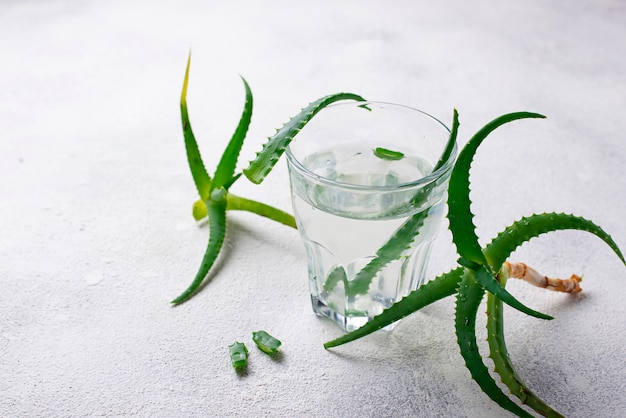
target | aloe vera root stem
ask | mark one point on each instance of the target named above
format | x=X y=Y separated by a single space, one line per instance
x=532 y=276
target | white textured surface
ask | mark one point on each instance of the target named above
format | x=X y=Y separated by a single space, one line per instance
x=96 y=235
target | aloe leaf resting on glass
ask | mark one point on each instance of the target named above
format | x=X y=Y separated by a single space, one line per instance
x=481 y=270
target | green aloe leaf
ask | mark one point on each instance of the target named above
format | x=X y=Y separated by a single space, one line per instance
x=391 y=250
x=459 y=212
x=500 y=356
x=238 y=355
x=424 y=193
x=487 y=281
x=235 y=202
x=532 y=226
x=226 y=167
x=200 y=176
x=276 y=145
x=387 y=154
x=469 y=296
x=451 y=144
x=335 y=276
x=432 y=291
x=217 y=230
x=266 y=343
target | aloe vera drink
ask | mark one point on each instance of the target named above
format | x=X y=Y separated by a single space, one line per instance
x=349 y=201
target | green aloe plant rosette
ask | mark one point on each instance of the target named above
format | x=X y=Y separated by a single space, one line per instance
x=215 y=198
x=481 y=271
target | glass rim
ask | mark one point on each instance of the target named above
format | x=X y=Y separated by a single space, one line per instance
x=294 y=162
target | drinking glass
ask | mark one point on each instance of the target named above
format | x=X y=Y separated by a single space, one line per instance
x=368 y=204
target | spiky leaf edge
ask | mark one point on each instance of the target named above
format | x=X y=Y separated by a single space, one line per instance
x=500 y=356
x=451 y=144
x=516 y=234
x=462 y=219
x=226 y=167
x=200 y=176
x=442 y=286
x=276 y=145
x=217 y=231
x=391 y=250
x=468 y=299
x=489 y=283
x=459 y=212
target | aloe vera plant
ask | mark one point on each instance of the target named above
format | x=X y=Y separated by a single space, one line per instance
x=215 y=199
x=481 y=270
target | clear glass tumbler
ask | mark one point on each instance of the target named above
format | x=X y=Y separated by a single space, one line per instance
x=367 y=204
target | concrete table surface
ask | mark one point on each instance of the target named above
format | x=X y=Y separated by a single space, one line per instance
x=96 y=234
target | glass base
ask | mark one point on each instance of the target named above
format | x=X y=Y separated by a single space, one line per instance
x=346 y=323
